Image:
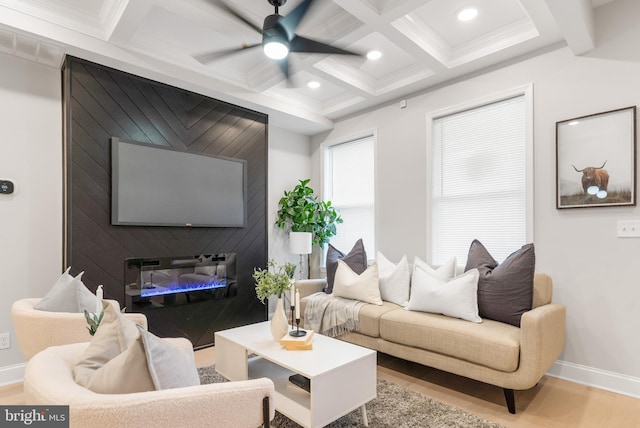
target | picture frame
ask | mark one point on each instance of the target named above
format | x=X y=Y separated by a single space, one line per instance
x=596 y=160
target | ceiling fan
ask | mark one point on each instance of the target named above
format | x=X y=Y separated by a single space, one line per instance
x=279 y=36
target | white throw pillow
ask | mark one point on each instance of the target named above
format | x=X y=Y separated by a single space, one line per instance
x=446 y=272
x=457 y=298
x=394 y=280
x=363 y=287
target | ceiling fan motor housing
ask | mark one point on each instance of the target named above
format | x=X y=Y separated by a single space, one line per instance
x=272 y=31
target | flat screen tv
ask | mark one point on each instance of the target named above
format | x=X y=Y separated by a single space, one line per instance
x=154 y=185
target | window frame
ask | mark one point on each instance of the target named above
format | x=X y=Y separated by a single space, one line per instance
x=527 y=92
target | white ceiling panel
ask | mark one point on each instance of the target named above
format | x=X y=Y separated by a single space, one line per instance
x=421 y=41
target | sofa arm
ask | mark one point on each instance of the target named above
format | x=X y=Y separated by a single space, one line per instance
x=307 y=287
x=542 y=335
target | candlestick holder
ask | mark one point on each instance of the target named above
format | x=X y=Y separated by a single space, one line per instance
x=297 y=332
x=292 y=318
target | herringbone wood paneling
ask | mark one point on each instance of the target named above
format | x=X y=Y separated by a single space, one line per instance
x=101 y=103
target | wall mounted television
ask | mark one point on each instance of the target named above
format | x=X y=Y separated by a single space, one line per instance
x=153 y=185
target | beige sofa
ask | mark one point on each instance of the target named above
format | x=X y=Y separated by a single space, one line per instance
x=513 y=358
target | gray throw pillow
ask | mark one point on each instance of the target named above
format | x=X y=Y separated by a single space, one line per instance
x=356 y=259
x=68 y=294
x=505 y=291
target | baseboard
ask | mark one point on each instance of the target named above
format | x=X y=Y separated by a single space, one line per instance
x=12 y=374
x=602 y=379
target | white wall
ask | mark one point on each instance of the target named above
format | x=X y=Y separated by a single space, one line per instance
x=30 y=218
x=594 y=272
x=289 y=161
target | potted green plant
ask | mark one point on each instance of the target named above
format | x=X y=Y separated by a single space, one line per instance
x=275 y=280
x=300 y=210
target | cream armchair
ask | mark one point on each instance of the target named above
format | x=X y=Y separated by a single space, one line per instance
x=37 y=330
x=49 y=380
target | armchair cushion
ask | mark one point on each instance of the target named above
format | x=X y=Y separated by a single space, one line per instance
x=124 y=358
x=114 y=336
x=68 y=294
x=169 y=366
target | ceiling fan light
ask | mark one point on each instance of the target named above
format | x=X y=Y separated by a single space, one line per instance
x=275 y=49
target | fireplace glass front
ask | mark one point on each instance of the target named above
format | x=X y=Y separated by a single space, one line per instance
x=165 y=281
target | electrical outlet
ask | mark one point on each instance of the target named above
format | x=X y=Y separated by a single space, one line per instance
x=5 y=340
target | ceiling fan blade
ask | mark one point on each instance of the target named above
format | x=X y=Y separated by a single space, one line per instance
x=292 y=20
x=206 y=58
x=284 y=67
x=302 y=44
x=230 y=10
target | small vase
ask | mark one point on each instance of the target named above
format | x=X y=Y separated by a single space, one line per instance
x=279 y=321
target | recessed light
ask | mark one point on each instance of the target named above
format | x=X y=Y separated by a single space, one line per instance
x=573 y=123
x=313 y=84
x=374 y=55
x=467 y=14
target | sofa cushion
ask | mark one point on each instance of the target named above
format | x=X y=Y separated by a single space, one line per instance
x=362 y=287
x=455 y=298
x=356 y=259
x=369 y=317
x=394 y=279
x=492 y=344
x=505 y=291
x=68 y=294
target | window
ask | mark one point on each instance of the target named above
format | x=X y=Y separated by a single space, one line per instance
x=481 y=175
x=350 y=186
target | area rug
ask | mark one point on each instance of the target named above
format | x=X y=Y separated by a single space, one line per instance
x=394 y=407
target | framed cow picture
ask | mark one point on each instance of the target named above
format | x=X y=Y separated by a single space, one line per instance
x=596 y=160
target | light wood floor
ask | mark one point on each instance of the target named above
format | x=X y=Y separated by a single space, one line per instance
x=552 y=403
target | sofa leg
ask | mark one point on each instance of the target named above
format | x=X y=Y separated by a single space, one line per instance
x=511 y=400
x=265 y=412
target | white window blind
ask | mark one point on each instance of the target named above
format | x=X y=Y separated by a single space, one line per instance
x=349 y=185
x=479 y=180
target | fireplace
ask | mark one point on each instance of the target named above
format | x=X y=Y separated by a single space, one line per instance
x=169 y=281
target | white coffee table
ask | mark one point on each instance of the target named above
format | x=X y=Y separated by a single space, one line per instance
x=343 y=375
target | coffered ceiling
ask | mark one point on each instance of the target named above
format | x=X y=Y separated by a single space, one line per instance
x=421 y=41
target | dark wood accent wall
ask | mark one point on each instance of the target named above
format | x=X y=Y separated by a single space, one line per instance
x=99 y=103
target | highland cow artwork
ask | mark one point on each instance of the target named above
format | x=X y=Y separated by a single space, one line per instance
x=596 y=160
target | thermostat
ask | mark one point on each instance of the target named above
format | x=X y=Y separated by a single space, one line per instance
x=6 y=187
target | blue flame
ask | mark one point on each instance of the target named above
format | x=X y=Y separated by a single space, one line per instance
x=174 y=288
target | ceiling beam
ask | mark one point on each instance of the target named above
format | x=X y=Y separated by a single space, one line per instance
x=575 y=18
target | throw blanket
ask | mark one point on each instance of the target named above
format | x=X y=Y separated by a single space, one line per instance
x=330 y=315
